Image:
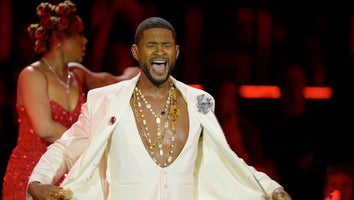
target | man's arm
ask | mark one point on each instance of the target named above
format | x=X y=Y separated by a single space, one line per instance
x=58 y=159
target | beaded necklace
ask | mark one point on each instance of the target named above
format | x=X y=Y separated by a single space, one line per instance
x=161 y=135
x=63 y=83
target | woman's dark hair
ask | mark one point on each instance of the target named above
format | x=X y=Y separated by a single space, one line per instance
x=61 y=18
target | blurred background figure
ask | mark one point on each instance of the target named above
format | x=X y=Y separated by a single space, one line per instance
x=241 y=132
x=339 y=182
x=296 y=133
x=110 y=30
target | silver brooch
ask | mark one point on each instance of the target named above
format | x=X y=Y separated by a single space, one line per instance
x=204 y=103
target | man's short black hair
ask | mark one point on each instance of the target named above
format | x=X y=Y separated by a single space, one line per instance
x=153 y=22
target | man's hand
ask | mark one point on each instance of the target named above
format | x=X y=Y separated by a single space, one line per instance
x=280 y=194
x=48 y=191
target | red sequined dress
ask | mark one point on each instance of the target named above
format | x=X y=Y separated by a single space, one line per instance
x=30 y=148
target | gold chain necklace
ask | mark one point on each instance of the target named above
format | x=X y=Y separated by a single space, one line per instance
x=161 y=135
x=63 y=83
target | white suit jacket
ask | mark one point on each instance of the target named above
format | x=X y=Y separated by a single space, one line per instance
x=219 y=174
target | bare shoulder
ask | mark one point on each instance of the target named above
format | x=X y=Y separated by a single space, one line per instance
x=31 y=78
x=31 y=72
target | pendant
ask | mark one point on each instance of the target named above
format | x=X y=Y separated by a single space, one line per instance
x=161 y=152
x=173 y=127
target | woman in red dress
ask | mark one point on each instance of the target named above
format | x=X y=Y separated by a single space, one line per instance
x=50 y=91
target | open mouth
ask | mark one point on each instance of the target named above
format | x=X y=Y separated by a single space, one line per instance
x=159 y=66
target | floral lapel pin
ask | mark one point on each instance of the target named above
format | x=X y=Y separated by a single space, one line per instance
x=204 y=103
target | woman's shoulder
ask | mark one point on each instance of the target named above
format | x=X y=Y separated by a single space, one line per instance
x=32 y=70
x=31 y=78
x=33 y=66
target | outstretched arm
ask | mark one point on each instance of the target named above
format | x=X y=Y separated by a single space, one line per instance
x=93 y=80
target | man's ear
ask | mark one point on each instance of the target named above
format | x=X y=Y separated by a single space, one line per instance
x=177 y=51
x=134 y=50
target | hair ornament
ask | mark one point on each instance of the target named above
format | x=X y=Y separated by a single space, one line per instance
x=51 y=18
x=65 y=8
x=49 y=22
x=63 y=23
x=32 y=30
x=44 y=9
x=40 y=46
x=41 y=33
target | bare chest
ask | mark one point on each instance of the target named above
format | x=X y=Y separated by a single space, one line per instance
x=163 y=126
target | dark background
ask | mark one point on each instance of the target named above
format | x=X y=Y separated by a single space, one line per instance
x=250 y=42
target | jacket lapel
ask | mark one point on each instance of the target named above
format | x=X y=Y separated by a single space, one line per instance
x=91 y=158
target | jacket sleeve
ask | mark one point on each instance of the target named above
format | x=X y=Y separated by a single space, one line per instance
x=61 y=155
x=220 y=173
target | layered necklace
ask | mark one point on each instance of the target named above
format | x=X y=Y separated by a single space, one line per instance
x=168 y=132
x=63 y=83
